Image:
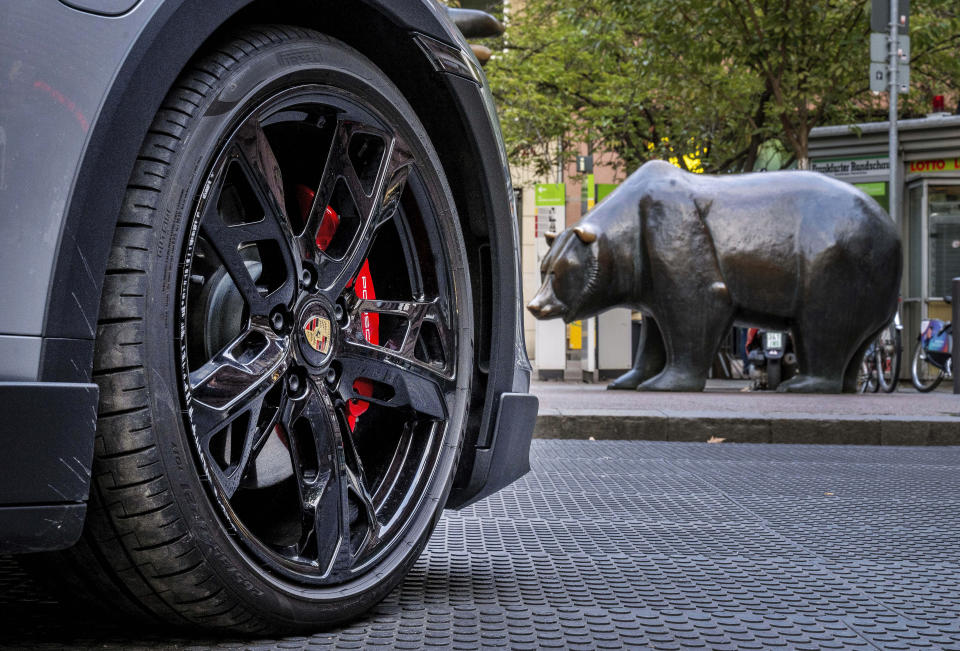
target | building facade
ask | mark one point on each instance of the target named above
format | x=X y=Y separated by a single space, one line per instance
x=928 y=180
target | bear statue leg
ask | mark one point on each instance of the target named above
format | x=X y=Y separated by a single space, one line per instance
x=825 y=366
x=830 y=342
x=819 y=371
x=853 y=367
x=649 y=360
x=691 y=338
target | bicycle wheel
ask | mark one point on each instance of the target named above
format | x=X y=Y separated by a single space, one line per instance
x=889 y=353
x=926 y=377
x=867 y=376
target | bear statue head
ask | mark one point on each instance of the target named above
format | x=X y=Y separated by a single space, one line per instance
x=571 y=274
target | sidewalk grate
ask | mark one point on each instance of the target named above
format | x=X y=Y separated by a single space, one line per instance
x=628 y=544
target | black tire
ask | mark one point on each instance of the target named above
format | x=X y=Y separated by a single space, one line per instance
x=774 y=369
x=889 y=356
x=926 y=377
x=184 y=526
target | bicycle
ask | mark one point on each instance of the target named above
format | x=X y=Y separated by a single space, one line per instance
x=880 y=368
x=932 y=356
x=867 y=377
x=889 y=351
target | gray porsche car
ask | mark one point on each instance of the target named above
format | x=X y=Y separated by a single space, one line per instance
x=260 y=301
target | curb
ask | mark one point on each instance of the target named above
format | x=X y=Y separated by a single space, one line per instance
x=791 y=428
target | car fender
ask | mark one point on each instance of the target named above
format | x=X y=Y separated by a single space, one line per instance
x=79 y=89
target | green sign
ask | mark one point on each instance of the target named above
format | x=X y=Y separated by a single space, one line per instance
x=603 y=189
x=549 y=194
x=876 y=190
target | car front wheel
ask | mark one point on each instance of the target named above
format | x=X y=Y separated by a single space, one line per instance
x=284 y=348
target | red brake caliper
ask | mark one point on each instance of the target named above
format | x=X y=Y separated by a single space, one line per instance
x=362 y=286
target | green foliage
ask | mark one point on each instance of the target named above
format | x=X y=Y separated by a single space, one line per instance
x=718 y=78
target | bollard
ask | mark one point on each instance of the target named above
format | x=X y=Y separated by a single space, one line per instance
x=955 y=305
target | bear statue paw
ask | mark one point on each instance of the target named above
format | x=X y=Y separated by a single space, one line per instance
x=810 y=384
x=674 y=381
x=629 y=380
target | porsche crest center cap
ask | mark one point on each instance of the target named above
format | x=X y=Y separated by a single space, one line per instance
x=317 y=330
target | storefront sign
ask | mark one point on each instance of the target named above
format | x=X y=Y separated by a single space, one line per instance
x=849 y=168
x=934 y=165
x=550 y=201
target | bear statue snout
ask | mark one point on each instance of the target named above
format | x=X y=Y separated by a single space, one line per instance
x=542 y=307
x=536 y=306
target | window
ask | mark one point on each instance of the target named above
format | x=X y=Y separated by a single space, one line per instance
x=943 y=207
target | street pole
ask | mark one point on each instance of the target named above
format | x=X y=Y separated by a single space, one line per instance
x=892 y=64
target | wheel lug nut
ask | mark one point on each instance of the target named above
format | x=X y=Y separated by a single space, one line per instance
x=338 y=312
x=293 y=383
x=277 y=321
x=331 y=376
x=306 y=277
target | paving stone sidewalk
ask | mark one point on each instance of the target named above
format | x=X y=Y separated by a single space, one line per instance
x=724 y=410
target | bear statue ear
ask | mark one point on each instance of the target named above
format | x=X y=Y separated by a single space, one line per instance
x=550 y=237
x=586 y=234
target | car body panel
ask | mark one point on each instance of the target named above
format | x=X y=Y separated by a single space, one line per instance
x=80 y=82
x=47 y=441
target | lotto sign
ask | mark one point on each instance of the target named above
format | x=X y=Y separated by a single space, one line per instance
x=934 y=165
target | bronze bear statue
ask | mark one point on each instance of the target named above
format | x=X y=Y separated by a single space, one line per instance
x=696 y=254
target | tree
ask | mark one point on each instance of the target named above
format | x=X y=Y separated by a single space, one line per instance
x=657 y=78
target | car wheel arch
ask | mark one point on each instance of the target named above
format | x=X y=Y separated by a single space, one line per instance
x=174 y=35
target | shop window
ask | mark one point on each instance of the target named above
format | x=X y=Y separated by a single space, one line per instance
x=944 y=243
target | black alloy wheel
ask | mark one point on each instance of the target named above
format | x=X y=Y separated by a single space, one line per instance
x=300 y=342
x=296 y=399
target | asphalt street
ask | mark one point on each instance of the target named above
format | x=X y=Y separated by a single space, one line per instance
x=637 y=544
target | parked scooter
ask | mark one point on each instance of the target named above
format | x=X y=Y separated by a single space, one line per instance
x=770 y=358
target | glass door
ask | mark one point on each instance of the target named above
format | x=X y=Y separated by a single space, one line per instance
x=943 y=249
x=931 y=246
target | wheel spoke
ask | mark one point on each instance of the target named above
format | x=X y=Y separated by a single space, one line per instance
x=226 y=235
x=229 y=478
x=405 y=380
x=225 y=244
x=329 y=472
x=357 y=484
x=236 y=378
x=398 y=382
x=374 y=207
x=416 y=314
x=378 y=208
x=316 y=466
x=261 y=168
x=401 y=459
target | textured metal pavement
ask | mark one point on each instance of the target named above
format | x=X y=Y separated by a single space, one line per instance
x=616 y=544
